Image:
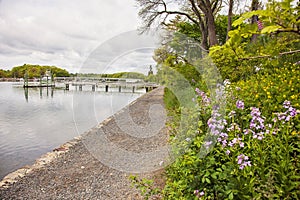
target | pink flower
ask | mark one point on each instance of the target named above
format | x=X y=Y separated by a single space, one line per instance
x=240 y=104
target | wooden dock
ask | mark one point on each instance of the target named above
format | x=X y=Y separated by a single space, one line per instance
x=37 y=85
x=118 y=84
x=44 y=81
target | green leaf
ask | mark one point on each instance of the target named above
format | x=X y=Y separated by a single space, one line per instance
x=207 y=180
x=207 y=173
x=214 y=175
x=270 y=29
x=230 y=195
x=240 y=20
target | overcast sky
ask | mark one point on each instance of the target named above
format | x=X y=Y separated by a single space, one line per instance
x=80 y=36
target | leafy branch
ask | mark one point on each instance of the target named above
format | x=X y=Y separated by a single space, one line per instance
x=267 y=56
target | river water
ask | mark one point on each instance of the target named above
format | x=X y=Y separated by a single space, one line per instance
x=35 y=121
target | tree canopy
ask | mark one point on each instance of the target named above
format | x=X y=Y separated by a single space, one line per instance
x=202 y=14
x=33 y=71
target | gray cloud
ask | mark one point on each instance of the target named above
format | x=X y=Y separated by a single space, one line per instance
x=128 y=51
x=65 y=33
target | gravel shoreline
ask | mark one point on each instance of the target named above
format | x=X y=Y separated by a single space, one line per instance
x=74 y=170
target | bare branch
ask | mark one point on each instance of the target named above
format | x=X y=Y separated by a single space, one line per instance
x=202 y=5
x=155 y=10
x=183 y=14
x=216 y=5
x=199 y=12
x=288 y=31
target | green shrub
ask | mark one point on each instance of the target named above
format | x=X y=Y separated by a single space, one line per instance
x=254 y=157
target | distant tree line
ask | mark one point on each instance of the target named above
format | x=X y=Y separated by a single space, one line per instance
x=33 y=71
x=133 y=75
x=36 y=71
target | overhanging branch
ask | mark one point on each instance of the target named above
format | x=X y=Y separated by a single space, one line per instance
x=268 y=56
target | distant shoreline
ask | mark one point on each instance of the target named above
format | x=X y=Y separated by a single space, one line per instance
x=11 y=80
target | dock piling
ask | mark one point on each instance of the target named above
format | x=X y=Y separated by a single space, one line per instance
x=67 y=86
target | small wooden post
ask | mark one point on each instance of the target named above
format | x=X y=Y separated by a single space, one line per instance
x=52 y=80
x=26 y=93
x=26 y=79
x=93 y=88
x=80 y=87
x=52 y=92
x=120 y=88
x=133 y=88
x=41 y=92
x=106 y=88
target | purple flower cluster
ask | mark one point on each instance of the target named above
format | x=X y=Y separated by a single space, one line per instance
x=227 y=152
x=238 y=141
x=231 y=114
x=257 y=128
x=256 y=124
x=205 y=99
x=286 y=104
x=223 y=139
x=247 y=131
x=198 y=193
x=240 y=104
x=215 y=124
x=288 y=114
x=257 y=121
x=207 y=144
x=233 y=127
x=243 y=161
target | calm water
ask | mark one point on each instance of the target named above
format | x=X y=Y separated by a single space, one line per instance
x=36 y=121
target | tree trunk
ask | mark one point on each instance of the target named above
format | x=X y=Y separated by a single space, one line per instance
x=204 y=39
x=206 y=8
x=204 y=33
x=254 y=6
x=211 y=29
x=229 y=23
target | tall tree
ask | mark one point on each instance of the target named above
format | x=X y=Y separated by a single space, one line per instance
x=230 y=14
x=254 y=6
x=200 y=12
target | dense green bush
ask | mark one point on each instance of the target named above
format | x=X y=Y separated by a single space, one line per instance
x=241 y=55
x=256 y=156
x=269 y=89
x=252 y=150
x=249 y=149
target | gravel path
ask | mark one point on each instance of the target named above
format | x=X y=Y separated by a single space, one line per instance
x=97 y=164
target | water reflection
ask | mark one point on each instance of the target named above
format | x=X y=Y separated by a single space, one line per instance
x=51 y=89
x=48 y=117
x=26 y=93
